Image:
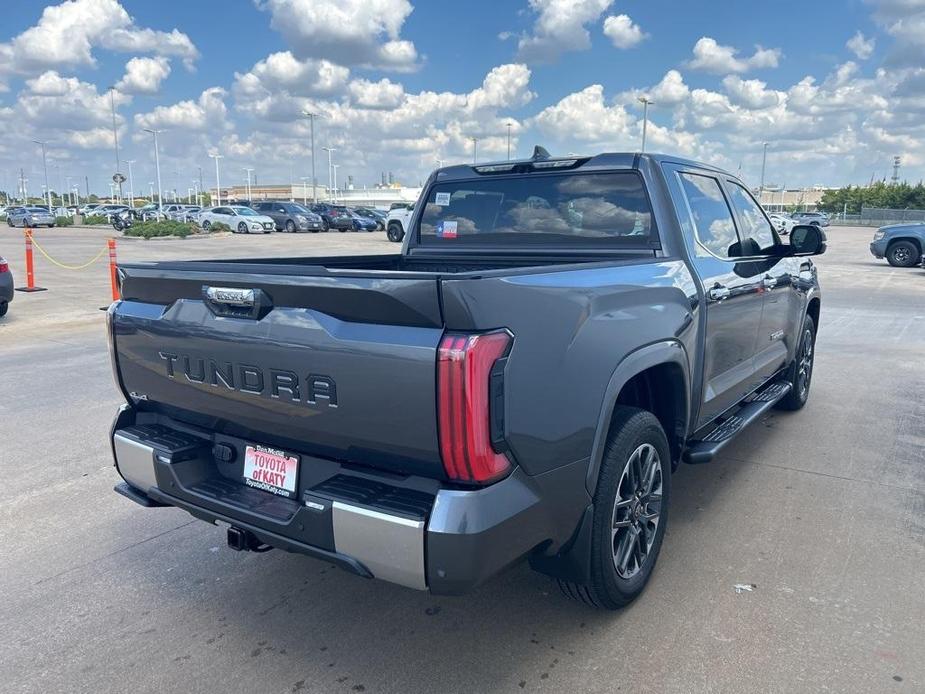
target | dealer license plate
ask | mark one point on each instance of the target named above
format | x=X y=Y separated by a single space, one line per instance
x=271 y=470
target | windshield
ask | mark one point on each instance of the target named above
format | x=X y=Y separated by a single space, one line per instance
x=245 y=212
x=593 y=209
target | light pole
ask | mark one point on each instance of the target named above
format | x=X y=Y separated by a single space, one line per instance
x=115 y=133
x=764 y=157
x=131 y=182
x=70 y=198
x=509 y=125
x=45 y=167
x=157 y=167
x=335 y=181
x=304 y=190
x=311 y=118
x=151 y=191
x=645 y=101
x=218 y=185
x=248 y=172
x=330 y=151
x=475 y=149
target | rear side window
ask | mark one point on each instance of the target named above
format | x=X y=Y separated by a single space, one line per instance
x=713 y=222
x=599 y=209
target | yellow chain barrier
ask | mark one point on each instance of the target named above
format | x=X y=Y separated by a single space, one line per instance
x=65 y=266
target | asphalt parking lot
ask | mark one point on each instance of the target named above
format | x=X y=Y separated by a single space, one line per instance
x=821 y=511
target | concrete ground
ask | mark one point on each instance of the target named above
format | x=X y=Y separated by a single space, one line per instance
x=822 y=512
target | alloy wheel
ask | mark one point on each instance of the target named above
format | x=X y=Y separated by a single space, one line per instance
x=805 y=369
x=636 y=511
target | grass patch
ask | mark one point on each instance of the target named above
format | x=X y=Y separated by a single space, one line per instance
x=95 y=219
x=219 y=226
x=63 y=221
x=164 y=227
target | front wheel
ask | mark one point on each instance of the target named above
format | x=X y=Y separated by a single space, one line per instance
x=800 y=373
x=4 y=307
x=903 y=254
x=206 y=225
x=290 y=226
x=394 y=233
x=630 y=511
x=242 y=228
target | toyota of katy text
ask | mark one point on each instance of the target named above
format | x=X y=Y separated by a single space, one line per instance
x=555 y=337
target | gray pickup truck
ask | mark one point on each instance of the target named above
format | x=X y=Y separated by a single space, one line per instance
x=555 y=337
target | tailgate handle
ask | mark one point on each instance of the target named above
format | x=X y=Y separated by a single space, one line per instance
x=237 y=302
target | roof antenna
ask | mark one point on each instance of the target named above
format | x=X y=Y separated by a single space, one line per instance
x=539 y=153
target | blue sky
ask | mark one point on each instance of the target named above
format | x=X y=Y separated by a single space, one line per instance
x=836 y=88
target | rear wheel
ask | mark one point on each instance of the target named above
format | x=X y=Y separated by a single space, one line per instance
x=903 y=254
x=630 y=511
x=4 y=306
x=800 y=374
x=206 y=225
x=290 y=226
x=325 y=225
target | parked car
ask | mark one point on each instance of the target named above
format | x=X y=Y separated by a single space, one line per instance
x=145 y=212
x=6 y=286
x=29 y=216
x=290 y=216
x=820 y=219
x=90 y=208
x=363 y=223
x=333 y=216
x=520 y=382
x=373 y=213
x=782 y=223
x=109 y=211
x=901 y=244
x=397 y=222
x=240 y=219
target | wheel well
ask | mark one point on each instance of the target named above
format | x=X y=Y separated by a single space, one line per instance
x=911 y=239
x=813 y=311
x=660 y=389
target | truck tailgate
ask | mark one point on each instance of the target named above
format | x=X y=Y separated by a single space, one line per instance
x=337 y=366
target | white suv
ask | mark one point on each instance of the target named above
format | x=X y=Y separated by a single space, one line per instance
x=398 y=220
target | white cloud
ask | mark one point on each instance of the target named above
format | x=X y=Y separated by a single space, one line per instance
x=623 y=32
x=346 y=32
x=67 y=34
x=561 y=26
x=752 y=94
x=144 y=75
x=283 y=71
x=711 y=56
x=207 y=113
x=904 y=20
x=861 y=46
x=381 y=94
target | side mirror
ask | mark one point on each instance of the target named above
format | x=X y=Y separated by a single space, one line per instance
x=807 y=239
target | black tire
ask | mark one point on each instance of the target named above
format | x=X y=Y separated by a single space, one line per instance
x=395 y=233
x=9 y=223
x=800 y=373
x=290 y=226
x=4 y=307
x=242 y=228
x=206 y=225
x=325 y=225
x=903 y=254
x=342 y=230
x=637 y=457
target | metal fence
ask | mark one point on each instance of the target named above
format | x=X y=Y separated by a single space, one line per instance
x=878 y=216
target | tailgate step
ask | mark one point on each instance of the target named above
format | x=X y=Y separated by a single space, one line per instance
x=704 y=449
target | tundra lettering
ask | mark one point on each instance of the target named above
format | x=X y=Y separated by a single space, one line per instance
x=650 y=295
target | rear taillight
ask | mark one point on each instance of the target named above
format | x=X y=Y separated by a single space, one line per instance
x=469 y=396
x=3 y=266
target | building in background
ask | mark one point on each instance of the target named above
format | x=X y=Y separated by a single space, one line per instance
x=779 y=199
x=377 y=196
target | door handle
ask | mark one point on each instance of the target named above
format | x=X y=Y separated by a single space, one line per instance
x=769 y=282
x=718 y=293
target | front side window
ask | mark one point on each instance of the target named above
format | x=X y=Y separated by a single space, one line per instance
x=599 y=209
x=757 y=236
x=713 y=221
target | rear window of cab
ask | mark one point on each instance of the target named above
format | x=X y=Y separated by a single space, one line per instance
x=593 y=209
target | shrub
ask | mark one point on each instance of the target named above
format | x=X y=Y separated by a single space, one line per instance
x=63 y=221
x=219 y=226
x=95 y=219
x=164 y=227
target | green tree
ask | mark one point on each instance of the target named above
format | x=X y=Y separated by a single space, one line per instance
x=896 y=196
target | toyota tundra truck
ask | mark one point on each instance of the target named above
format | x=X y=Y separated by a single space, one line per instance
x=555 y=337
